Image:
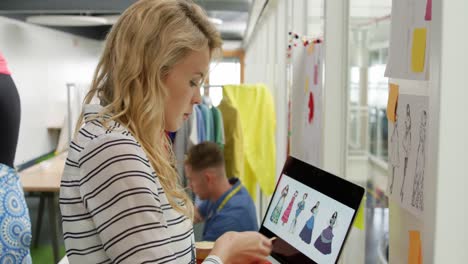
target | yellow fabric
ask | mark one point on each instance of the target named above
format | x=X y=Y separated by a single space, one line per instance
x=258 y=121
x=233 y=139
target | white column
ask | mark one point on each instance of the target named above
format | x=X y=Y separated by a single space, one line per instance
x=335 y=92
x=451 y=229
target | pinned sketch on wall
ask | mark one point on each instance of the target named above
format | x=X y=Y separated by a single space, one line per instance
x=300 y=208
x=406 y=147
x=418 y=184
x=307 y=104
x=407 y=153
x=409 y=40
x=394 y=154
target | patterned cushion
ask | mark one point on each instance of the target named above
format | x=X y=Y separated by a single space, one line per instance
x=15 y=225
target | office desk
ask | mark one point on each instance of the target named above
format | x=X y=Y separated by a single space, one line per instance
x=44 y=178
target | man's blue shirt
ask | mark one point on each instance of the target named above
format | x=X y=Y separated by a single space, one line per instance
x=238 y=213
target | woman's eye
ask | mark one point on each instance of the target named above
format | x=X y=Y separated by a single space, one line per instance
x=193 y=84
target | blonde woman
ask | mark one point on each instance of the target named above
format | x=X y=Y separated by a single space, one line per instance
x=119 y=198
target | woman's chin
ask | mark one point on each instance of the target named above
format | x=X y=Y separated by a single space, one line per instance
x=174 y=127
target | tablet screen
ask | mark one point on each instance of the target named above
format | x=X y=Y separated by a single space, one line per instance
x=309 y=217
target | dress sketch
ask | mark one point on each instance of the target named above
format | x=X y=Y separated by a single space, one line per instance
x=279 y=206
x=394 y=157
x=324 y=241
x=287 y=212
x=306 y=233
x=418 y=185
x=300 y=208
x=406 y=146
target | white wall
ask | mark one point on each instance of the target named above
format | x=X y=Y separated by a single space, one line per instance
x=265 y=62
x=443 y=226
x=42 y=61
x=451 y=230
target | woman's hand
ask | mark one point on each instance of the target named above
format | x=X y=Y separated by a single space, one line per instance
x=242 y=247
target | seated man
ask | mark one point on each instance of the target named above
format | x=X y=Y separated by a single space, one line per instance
x=226 y=204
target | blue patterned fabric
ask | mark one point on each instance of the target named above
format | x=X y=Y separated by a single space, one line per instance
x=15 y=225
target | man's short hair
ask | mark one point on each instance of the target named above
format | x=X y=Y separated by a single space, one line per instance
x=205 y=155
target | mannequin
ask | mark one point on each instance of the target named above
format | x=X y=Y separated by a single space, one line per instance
x=10 y=113
x=14 y=243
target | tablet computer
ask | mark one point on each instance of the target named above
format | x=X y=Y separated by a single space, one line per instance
x=310 y=214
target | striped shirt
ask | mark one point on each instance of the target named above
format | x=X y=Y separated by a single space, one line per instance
x=114 y=209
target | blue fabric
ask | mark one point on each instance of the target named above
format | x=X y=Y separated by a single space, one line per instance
x=200 y=124
x=300 y=207
x=15 y=225
x=172 y=136
x=238 y=214
x=209 y=122
x=310 y=222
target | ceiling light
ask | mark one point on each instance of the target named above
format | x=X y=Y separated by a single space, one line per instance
x=111 y=19
x=67 y=20
x=216 y=21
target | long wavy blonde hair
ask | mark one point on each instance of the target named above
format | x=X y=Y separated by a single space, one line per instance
x=149 y=38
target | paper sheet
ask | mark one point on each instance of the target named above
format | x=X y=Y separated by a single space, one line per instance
x=392 y=102
x=405 y=17
x=306 y=139
x=407 y=141
x=418 y=50
x=414 y=250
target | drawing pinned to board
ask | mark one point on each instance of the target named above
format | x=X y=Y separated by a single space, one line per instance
x=406 y=146
x=279 y=205
x=287 y=212
x=306 y=233
x=306 y=139
x=324 y=241
x=407 y=159
x=394 y=153
x=300 y=208
x=418 y=184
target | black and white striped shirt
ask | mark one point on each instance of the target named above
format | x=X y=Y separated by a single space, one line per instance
x=114 y=209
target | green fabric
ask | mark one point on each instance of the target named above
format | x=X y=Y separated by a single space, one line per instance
x=209 y=126
x=44 y=254
x=218 y=127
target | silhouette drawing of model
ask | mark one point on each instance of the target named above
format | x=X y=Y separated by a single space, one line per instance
x=287 y=212
x=418 y=184
x=279 y=206
x=306 y=233
x=406 y=146
x=324 y=241
x=394 y=157
x=300 y=208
